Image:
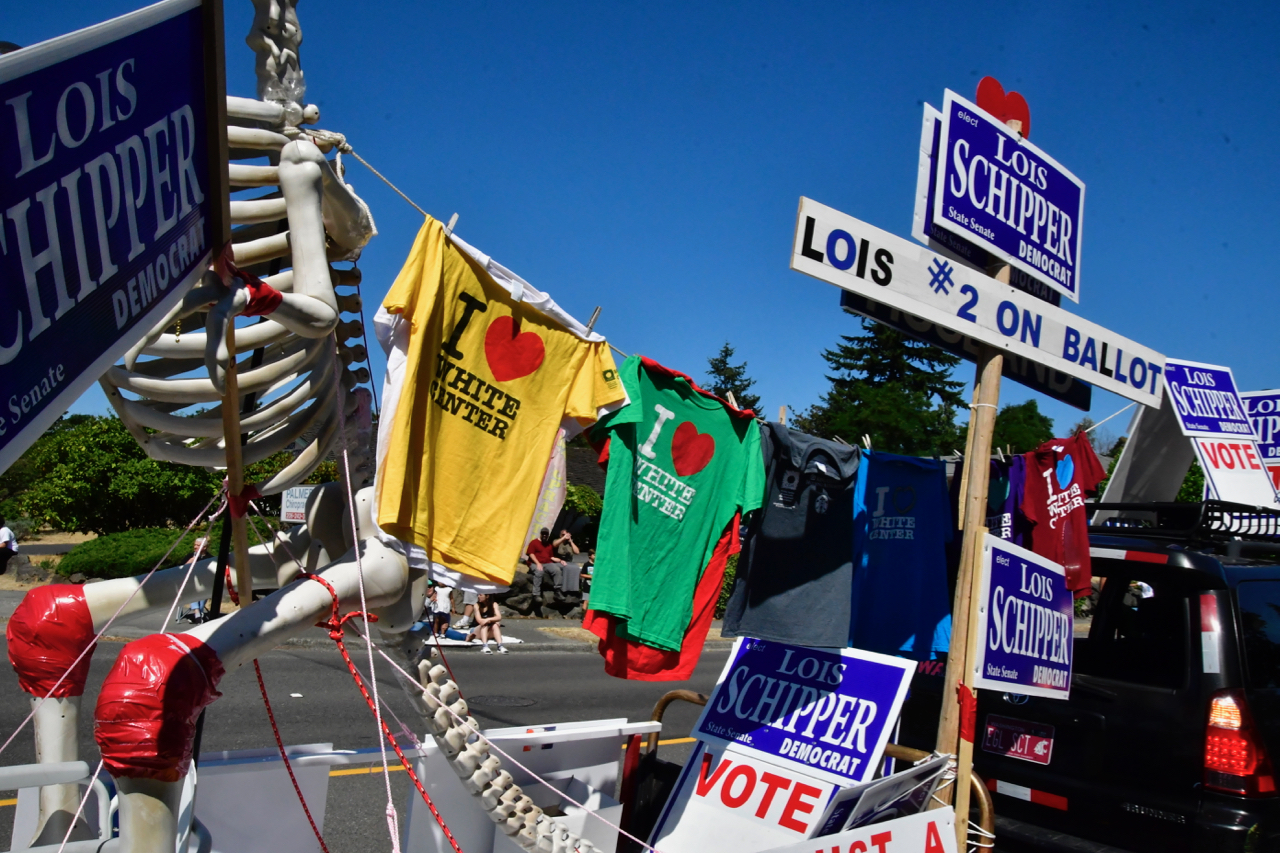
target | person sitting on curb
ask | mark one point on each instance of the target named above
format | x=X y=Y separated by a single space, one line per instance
x=488 y=624
x=543 y=559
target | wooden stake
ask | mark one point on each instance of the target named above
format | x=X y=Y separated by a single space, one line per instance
x=982 y=422
x=235 y=470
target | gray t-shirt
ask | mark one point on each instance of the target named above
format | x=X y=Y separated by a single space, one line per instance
x=795 y=575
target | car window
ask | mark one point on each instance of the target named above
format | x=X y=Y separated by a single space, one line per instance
x=1135 y=630
x=1259 y=603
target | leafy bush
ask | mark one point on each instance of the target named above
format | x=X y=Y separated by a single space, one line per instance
x=136 y=552
x=131 y=552
x=726 y=588
x=584 y=500
x=1192 y=491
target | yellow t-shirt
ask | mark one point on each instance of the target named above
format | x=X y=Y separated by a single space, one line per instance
x=487 y=382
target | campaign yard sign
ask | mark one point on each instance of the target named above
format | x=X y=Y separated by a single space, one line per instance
x=945 y=242
x=928 y=832
x=106 y=195
x=1003 y=194
x=1263 y=410
x=1213 y=415
x=828 y=711
x=1025 y=623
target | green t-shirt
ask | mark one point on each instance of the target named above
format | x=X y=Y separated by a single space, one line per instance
x=681 y=464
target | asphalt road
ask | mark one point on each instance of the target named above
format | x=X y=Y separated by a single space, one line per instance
x=562 y=687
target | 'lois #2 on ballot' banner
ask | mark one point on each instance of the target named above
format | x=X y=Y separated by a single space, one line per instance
x=1025 y=623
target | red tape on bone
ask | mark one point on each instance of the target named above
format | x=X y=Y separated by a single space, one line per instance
x=48 y=631
x=147 y=710
x=968 y=712
x=263 y=298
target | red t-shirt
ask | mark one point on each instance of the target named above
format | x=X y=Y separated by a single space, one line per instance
x=542 y=553
x=1060 y=474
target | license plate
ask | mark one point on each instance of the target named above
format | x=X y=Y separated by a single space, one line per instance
x=1021 y=739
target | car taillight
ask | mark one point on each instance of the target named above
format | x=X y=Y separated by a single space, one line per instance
x=1235 y=759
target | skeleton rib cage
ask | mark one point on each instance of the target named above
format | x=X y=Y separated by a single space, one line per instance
x=169 y=390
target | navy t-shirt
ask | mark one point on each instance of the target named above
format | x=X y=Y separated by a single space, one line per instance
x=902 y=523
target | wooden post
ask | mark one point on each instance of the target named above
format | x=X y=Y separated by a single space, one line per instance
x=235 y=470
x=215 y=92
x=982 y=421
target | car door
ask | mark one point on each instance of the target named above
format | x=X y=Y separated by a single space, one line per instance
x=1122 y=762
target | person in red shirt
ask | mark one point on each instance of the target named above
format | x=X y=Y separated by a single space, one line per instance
x=543 y=560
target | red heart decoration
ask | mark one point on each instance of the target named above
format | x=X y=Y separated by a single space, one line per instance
x=1010 y=107
x=511 y=355
x=691 y=451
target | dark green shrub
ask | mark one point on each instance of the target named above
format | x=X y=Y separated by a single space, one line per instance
x=130 y=552
x=136 y=552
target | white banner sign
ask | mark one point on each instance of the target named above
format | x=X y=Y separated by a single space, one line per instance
x=929 y=832
x=293 y=504
x=838 y=249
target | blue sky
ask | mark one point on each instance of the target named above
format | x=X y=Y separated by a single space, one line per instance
x=648 y=158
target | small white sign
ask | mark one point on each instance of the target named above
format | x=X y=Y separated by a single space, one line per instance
x=293 y=504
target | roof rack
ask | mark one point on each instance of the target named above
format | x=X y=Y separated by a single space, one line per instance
x=1203 y=521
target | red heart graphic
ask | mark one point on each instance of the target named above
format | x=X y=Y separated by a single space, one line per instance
x=1010 y=107
x=511 y=355
x=690 y=452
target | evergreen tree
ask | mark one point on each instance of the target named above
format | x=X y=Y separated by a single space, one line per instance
x=893 y=388
x=727 y=377
x=1022 y=427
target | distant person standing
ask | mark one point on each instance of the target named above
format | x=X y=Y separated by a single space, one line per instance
x=8 y=545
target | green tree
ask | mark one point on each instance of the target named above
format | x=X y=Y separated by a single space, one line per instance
x=727 y=377
x=891 y=387
x=1192 y=491
x=93 y=477
x=1022 y=427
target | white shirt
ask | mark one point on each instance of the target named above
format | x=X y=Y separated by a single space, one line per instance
x=7 y=538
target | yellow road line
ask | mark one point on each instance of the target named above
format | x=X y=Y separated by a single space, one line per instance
x=8 y=802
x=360 y=771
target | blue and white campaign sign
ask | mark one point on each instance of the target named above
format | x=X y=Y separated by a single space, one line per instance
x=1212 y=413
x=1000 y=192
x=1025 y=623
x=862 y=259
x=106 y=193
x=827 y=711
x=1263 y=410
x=950 y=244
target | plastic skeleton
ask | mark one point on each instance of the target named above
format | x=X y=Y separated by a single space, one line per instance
x=292 y=370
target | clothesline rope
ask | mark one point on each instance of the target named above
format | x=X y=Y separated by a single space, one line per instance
x=1109 y=417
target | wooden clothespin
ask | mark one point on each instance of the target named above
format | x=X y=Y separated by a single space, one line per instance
x=838 y=440
x=782 y=415
x=595 y=315
x=866 y=439
x=1000 y=453
x=448 y=229
x=733 y=401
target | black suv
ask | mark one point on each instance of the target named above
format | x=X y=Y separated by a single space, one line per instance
x=1167 y=741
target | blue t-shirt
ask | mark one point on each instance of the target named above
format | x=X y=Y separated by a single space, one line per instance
x=902 y=523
